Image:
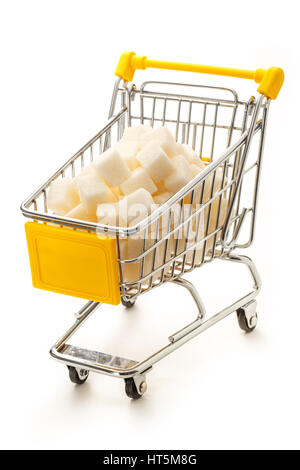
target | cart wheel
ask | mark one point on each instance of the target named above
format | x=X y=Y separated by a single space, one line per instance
x=128 y=303
x=244 y=323
x=132 y=391
x=78 y=378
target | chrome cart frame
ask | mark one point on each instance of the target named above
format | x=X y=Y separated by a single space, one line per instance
x=86 y=360
x=242 y=123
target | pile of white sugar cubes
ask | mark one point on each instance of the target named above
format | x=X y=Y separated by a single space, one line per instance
x=128 y=181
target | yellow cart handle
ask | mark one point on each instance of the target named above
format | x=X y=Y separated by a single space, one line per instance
x=270 y=80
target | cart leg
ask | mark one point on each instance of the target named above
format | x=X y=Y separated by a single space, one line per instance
x=247 y=313
x=250 y=265
x=194 y=293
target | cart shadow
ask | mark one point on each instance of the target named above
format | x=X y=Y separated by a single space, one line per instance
x=141 y=408
x=88 y=394
x=80 y=393
x=256 y=337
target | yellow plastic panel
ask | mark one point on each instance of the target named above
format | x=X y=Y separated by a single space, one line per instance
x=74 y=263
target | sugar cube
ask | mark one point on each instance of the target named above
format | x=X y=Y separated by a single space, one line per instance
x=161 y=188
x=215 y=221
x=213 y=184
x=160 y=224
x=136 y=133
x=80 y=212
x=164 y=138
x=162 y=197
x=128 y=150
x=163 y=253
x=188 y=152
x=158 y=257
x=87 y=170
x=139 y=178
x=135 y=247
x=93 y=191
x=62 y=196
x=117 y=193
x=180 y=176
x=137 y=213
x=193 y=255
x=155 y=161
x=131 y=248
x=132 y=205
x=207 y=229
x=195 y=169
x=111 y=166
x=195 y=234
x=108 y=214
x=181 y=214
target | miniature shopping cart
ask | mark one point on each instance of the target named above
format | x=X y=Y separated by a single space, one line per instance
x=214 y=216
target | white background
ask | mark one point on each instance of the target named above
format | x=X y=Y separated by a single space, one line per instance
x=224 y=389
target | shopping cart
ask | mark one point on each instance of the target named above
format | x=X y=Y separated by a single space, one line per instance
x=209 y=218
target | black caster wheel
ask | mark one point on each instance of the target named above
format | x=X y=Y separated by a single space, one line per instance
x=245 y=324
x=78 y=378
x=132 y=391
x=128 y=303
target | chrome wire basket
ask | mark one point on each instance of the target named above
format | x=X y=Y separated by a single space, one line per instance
x=210 y=217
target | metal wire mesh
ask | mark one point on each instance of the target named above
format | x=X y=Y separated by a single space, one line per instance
x=188 y=231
